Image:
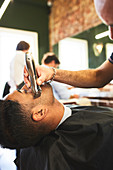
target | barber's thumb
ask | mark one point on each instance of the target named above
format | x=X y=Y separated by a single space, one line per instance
x=39 y=82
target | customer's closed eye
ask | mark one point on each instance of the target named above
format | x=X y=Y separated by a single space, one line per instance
x=25 y=90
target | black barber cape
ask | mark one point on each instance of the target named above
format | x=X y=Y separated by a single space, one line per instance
x=83 y=142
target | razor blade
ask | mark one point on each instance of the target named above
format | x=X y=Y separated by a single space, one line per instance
x=30 y=65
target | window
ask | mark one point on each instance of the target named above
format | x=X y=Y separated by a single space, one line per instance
x=73 y=54
x=9 y=38
x=109 y=49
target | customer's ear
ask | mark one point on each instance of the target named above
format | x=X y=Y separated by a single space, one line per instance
x=39 y=114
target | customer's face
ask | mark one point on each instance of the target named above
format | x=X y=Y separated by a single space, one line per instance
x=26 y=97
x=104 y=9
x=23 y=96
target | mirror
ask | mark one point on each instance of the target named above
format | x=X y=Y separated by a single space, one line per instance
x=97 y=48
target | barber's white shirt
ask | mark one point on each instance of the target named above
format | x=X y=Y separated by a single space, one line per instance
x=7 y=158
x=60 y=90
x=67 y=113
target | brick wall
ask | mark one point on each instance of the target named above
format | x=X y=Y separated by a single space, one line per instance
x=70 y=17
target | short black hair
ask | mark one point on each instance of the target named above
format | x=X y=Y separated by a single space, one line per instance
x=17 y=129
x=22 y=45
x=50 y=58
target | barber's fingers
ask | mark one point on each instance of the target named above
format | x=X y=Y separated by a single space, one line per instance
x=25 y=72
x=26 y=77
x=42 y=79
x=44 y=74
x=41 y=74
x=27 y=82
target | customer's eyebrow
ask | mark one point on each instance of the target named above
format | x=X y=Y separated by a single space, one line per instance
x=19 y=90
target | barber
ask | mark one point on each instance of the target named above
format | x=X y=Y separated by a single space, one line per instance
x=90 y=78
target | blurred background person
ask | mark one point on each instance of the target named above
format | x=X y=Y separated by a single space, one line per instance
x=16 y=68
x=60 y=90
x=50 y=60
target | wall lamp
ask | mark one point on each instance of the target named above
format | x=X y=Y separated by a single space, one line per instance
x=101 y=35
x=97 y=48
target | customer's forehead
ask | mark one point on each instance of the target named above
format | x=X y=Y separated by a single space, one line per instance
x=9 y=96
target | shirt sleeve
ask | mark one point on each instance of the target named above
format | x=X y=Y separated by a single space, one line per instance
x=111 y=58
x=60 y=91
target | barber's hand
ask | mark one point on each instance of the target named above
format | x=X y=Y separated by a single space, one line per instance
x=44 y=74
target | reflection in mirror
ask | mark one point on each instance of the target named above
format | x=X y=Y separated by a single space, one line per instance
x=95 y=59
x=73 y=54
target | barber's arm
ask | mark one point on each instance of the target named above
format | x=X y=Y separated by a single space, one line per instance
x=84 y=78
x=98 y=77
